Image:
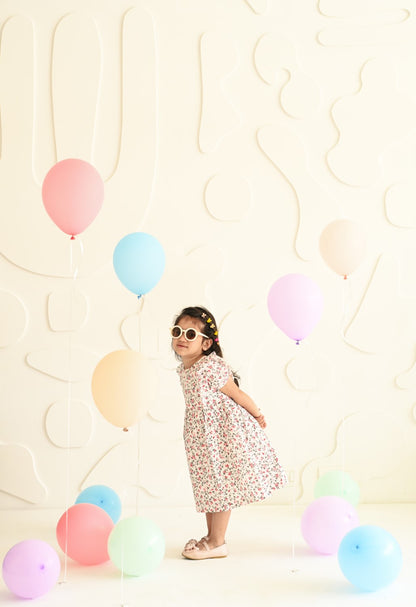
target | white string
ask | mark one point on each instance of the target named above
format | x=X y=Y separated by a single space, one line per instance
x=124 y=496
x=122 y=591
x=346 y=305
x=346 y=311
x=139 y=347
x=293 y=568
x=125 y=466
x=73 y=274
x=344 y=317
x=138 y=469
x=139 y=323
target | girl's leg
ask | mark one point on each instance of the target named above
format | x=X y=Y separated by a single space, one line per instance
x=208 y=516
x=217 y=527
x=190 y=543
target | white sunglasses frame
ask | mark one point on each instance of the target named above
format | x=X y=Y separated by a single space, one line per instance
x=183 y=332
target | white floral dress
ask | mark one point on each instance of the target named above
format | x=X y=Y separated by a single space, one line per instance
x=231 y=462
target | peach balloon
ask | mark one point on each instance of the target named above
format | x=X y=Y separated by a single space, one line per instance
x=72 y=193
x=342 y=245
x=123 y=385
x=82 y=533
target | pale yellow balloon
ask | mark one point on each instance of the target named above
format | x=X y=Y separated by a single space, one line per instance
x=123 y=386
x=342 y=245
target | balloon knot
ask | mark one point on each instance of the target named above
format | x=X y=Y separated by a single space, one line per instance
x=125 y=429
x=345 y=277
x=297 y=342
x=72 y=237
x=139 y=296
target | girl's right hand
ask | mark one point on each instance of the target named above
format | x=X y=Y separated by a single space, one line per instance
x=261 y=420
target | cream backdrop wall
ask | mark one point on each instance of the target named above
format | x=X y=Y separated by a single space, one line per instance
x=233 y=131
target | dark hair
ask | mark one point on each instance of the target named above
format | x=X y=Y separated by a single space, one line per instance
x=210 y=328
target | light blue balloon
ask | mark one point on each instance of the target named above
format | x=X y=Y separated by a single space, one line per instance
x=104 y=497
x=369 y=557
x=136 y=546
x=139 y=262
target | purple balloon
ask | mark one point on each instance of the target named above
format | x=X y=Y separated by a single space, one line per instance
x=326 y=521
x=295 y=305
x=31 y=568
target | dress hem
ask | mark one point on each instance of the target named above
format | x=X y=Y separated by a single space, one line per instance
x=246 y=502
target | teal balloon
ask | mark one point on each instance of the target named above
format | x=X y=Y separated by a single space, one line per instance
x=104 y=497
x=136 y=546
x=370 y=557
x=139 y=262
x=336 y=482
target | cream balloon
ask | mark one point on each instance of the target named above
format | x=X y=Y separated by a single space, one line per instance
x=123 y=385
x=342 y=245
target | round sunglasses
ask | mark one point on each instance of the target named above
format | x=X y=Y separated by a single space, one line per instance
x=190 y=334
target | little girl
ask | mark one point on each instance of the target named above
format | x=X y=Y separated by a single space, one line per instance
x=231 y=462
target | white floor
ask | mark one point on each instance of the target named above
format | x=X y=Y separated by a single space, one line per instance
x=269 y=564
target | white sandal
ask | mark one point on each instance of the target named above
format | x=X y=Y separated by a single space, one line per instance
x=198 y=554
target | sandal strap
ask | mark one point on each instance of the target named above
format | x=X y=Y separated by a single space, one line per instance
x=190 y=544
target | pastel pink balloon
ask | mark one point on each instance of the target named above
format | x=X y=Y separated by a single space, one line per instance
x=326 y=521
x=72 y=193
x=31 y=568
x=82 y=533
x=342 y=246
x=295 y=304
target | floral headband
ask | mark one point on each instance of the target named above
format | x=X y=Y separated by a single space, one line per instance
x=211 y=324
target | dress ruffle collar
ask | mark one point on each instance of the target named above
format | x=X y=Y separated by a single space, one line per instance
x=199 y=362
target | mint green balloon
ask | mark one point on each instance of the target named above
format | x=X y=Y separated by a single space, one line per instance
x=136 y=546
x=336 y=482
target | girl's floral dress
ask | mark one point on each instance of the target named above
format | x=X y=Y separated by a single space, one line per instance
x=231 y=462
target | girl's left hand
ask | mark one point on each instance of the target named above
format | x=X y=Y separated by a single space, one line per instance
x=261 y=421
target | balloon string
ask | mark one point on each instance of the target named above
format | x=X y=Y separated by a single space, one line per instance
x=139 y=323
x=138 y=468
x=294 y=524
x=346 y=311
x=124 y=466
x=122 y=596
x=296 y=485
x=343 y=442
x=73 y=274
x=68 y=410
x=293 y=568
x=139 y=347
x=68 y=452
x=346 y=299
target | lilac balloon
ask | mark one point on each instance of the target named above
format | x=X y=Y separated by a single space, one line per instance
x=31 y=568
x=295 y=305
x=326 y=521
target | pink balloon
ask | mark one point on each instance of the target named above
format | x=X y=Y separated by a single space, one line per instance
x=31 y=568
x=82 y=533
x=295 y=305
x=326 y=521
x=72 y=194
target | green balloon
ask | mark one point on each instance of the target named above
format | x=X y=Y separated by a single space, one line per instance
x=336 y=482
x=136 y=545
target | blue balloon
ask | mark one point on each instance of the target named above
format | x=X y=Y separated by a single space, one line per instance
x=139 y=262
x=369 y=557
x=104 y=497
